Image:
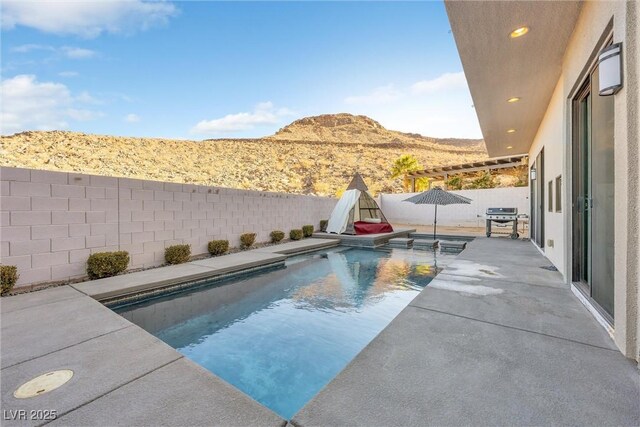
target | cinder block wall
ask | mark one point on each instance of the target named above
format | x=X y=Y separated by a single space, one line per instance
x=52 y=221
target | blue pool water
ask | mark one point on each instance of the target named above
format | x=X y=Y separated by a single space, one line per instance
x=281 y=336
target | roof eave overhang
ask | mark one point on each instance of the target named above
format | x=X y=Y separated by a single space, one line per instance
x=498 y=67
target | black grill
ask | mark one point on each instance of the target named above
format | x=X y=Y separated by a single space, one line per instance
x=502 y=216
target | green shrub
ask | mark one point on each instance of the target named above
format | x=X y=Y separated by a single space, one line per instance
x=296 y=234
x=307 y=230
x=483 y=180
x=8 y=278
x=276 y=236
x=454 y=182
x=177 y=254
x=107 y=264
x=247 y=240
x=323 y=224
x=218 y=247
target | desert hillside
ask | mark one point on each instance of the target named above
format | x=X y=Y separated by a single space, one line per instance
x=313 y=155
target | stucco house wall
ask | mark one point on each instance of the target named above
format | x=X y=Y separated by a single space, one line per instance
x=555 y=133
x=550 y=136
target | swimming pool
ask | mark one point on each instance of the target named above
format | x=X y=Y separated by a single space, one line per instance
x=280 y=336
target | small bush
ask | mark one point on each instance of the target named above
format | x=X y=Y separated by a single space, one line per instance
x=8 y=278
x=107 y=264
x=276 y=236
x=483 y=180
x=247 y=240
x=296 y=234
x=454 y=182
x=323 y=224
x=218 y=247
x=307 y=230
x=177 y=254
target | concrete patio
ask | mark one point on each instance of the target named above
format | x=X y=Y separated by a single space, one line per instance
x=492 y=340
x=122 y=374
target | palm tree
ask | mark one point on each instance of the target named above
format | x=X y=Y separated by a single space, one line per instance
x=405 y=164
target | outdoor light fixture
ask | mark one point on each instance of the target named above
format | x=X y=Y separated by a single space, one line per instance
x=533 y=174
x=519 y=32
x=512 y=100
x=511 y=131
x=610 y=69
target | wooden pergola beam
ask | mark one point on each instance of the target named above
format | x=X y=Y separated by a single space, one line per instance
x=467 y=168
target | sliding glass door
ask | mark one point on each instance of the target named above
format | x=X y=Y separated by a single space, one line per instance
x=593 y=194
x=537 y=201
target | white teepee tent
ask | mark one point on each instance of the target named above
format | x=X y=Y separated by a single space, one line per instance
x=357 y=212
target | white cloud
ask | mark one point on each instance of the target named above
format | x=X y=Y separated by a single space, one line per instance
x=86 y=98
x=68 y=74
x=25 y=48
x=78 y=52
x=86 y=18
x=445 y=81
x=132 y=118
x=264 y=114
x=32 y=105
x=380 y=95
x=70 y=52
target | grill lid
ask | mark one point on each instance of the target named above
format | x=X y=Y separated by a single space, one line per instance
x=502 y=211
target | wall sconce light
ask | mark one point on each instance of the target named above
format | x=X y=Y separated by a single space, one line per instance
x=533 y=174
x=610 y=69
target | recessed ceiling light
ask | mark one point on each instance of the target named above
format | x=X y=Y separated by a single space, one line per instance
x=514 y=99
x=509 y=147
x=511 y=131
x=519 y=32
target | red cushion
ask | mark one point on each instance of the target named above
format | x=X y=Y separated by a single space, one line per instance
x=362 y=227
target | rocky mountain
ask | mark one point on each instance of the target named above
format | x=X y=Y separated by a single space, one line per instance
x=313 y=155
x=343 y=127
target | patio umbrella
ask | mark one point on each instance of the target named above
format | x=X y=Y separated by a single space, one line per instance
x=437 y=196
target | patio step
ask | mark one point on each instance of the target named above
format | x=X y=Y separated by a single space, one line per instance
x=400 y=242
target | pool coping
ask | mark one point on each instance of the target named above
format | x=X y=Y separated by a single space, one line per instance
x=187 y=284
x=167 y=278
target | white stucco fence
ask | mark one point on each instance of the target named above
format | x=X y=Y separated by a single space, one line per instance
x=52 y=221
x=400 y=212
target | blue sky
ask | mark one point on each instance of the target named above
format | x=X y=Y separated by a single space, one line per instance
x=229 y=69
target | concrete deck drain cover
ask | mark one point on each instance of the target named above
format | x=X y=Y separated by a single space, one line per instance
x=43 y=384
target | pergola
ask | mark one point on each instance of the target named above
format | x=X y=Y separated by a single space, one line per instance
x=443 y=172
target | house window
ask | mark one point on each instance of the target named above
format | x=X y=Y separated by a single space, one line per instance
x=559 y=193
x=550 y=197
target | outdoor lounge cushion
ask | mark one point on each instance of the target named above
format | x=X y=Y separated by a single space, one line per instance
x=373 y=220
x=362 y=227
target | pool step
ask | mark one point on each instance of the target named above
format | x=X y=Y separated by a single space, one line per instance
x=425 y=243
x=452 y=246
x=400 y=242
x=429 y=236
